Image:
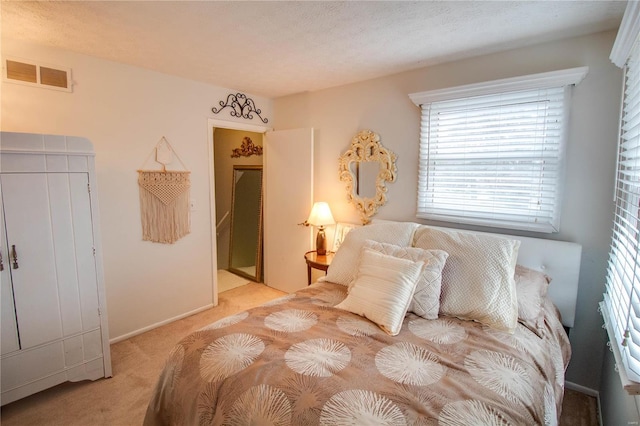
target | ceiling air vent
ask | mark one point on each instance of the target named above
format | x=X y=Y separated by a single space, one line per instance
x=34 y=74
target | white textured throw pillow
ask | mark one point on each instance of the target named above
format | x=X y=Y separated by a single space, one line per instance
x=426 y=298
x=382 y=289
x=531 y=288
x=345 y=262
x=477 y=280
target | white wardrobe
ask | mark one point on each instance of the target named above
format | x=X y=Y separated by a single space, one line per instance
x=53 y=312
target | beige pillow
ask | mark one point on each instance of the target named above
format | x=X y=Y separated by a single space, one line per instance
x=426 y=298
x=477 y=280
x=344 y=264
x=382 y=289
x=531 y=289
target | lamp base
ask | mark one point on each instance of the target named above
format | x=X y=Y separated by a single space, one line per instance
x=321 y=242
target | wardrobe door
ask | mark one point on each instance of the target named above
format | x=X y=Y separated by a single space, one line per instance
x=48 y=220
x=30 y=243
x=9 y=331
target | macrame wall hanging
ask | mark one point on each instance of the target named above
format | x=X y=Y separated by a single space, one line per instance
x=164 y=198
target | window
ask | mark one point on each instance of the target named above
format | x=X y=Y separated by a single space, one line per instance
x=492 y=153
x=621 y=305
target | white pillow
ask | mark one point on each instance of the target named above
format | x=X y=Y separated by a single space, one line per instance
x=382 y=289
x=344 y=264
x=477 y=280
x=426 y=298
x=531 y=290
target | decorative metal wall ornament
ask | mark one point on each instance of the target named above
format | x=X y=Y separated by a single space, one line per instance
x=241 y=106
x=247 y=149
x=366 y=147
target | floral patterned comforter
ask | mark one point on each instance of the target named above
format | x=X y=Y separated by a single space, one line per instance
x=299 y=361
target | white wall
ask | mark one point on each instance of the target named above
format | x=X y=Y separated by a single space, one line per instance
x=383 y=106
x=125 y=111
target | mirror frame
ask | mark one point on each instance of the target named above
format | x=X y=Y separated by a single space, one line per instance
x=258 y=257
x=366 y=146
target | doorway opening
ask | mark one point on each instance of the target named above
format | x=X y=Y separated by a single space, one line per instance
x=288 y=197
x=238 y=189
x=225 y=137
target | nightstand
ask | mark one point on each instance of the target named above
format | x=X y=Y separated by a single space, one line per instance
x=317 y=261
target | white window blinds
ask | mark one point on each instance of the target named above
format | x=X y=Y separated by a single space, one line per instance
x=493 y=154
x=621 y=306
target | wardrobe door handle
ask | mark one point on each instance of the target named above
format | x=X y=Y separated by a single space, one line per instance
x=15 y=257
x=1 y=262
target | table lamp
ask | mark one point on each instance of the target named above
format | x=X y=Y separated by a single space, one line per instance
x=321 y=216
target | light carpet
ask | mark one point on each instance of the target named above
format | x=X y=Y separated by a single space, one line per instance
x=122 y=400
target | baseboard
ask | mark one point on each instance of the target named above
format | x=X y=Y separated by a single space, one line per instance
x=159 y=324
x=587 y=391
x=583 y=389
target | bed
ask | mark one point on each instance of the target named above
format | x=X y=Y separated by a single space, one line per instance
x=413 y=325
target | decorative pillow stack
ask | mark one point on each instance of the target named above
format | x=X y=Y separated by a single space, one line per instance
x=478 y=277
x=342 y=269
x=392 y=268
x=382 y=289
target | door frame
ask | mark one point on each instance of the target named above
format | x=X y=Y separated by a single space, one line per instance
x=213 y=124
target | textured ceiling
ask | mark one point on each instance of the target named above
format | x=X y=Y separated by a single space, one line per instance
x=279 y=48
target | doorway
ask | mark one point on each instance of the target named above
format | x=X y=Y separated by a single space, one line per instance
x=238 y=199
x=288 y=197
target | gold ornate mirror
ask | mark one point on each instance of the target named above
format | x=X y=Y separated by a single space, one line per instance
x=365 y=167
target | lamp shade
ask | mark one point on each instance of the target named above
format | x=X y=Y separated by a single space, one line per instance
x=321 y=215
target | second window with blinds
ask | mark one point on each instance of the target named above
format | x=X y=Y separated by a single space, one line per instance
x=492 y=153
